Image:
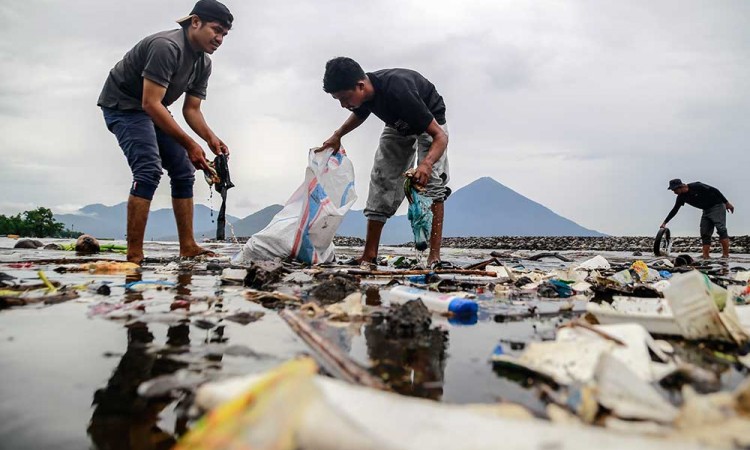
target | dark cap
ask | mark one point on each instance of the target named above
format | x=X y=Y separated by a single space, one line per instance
x=210 y=11
x=674 y=184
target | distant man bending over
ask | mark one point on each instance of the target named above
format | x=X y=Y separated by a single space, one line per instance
x=134 y=100
x=415 y=128
x=714 y=206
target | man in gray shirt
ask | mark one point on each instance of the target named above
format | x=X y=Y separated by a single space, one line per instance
x=134 y=100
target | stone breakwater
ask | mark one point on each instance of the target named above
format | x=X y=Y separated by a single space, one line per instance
x=738 y=244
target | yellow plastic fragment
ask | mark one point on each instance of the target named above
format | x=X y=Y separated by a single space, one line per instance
x=9 y=293
x=109 y=267
x=45 y=280
x=264 y=407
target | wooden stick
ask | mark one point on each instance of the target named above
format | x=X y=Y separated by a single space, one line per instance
x=61 y=261
x=539 y=256
x=330 y=357
x=395 y=273
x=483 y=264
x=582 y=324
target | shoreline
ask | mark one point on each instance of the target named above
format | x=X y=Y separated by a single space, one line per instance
x=645 y=244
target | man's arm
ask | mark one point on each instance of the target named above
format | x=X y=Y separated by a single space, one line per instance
x=717 y=193
x=727 y=205
x=435 y=152
x=677 y=205
x=334 y=142
x=191 y=110
x=153 y=94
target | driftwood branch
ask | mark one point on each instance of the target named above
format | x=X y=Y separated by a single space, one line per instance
x=329 y=356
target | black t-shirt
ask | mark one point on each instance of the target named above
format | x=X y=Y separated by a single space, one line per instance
x=699 y=195
x=404 y=100
x=165 y=58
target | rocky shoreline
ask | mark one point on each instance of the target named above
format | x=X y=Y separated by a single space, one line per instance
x=738 y=244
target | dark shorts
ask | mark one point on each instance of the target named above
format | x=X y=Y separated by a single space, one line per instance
x=715 y=216
x=149 y=151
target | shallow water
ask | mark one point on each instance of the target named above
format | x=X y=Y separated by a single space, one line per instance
x=71 y=380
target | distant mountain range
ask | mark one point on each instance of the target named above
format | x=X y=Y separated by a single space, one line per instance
x=110 y=222
x=483 y=208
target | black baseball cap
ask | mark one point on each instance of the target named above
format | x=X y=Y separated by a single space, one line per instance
x=674 y=184
x=210 y=11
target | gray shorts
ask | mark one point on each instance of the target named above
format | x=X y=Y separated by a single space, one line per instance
x=715 y=216
x=395 y=155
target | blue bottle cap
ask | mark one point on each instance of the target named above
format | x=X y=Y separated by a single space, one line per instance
x=463 y=307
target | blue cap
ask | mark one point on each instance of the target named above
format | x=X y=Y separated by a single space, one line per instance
x=463 y=307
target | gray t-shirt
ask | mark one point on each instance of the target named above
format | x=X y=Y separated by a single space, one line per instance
x=165 y=58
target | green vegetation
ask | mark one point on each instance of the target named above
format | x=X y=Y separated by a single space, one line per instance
x=35 y=223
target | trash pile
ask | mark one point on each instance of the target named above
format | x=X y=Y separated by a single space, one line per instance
x=605 y=368
x=588 y=350
x=292 y=407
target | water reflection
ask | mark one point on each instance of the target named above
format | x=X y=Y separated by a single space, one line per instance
x=124 y=420
x=410 y=365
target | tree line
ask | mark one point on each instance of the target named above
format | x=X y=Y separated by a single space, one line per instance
x=38 y=223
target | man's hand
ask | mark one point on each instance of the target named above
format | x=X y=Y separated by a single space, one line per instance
x=422 y=174
x=218 y=146
x=730 y=207
x=664 y=225
x=198 y=157
x=333 y=142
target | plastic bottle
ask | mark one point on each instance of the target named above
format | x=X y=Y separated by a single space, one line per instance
x=434 y=301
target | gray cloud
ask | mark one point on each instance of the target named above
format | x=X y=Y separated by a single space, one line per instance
x=586 y=107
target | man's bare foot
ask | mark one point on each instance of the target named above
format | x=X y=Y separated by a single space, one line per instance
x=193 y=251
x=366 y=259
x=135 y=258
x=369 y=263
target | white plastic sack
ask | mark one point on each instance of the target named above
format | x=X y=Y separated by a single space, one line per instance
x=304 y=229
x=313 y=412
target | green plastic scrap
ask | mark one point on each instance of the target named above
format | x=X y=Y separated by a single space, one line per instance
x=419 y=214
x=114 y=248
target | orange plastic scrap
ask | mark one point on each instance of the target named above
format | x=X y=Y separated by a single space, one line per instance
x=109 y=267
x=264 y=417
x=641 y=269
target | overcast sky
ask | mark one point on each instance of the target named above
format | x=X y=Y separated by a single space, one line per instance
x=587 y=107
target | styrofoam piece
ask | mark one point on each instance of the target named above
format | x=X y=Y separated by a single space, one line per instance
x=569 y=275
x=574 y=355
x=501 y=272
x=627 y=395
x=743 y=314
x=646 y=315
x=660 y=286
x=581 y=286
x=656 y=316
x=230 y=275
x=597 y=262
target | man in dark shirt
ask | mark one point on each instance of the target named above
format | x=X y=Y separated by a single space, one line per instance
x=714 y=206
x=134 y=100
x=415 y=128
